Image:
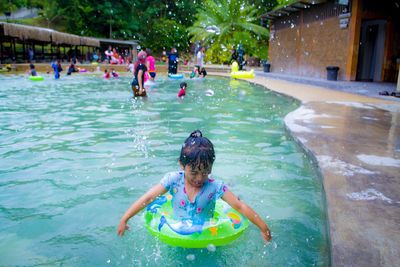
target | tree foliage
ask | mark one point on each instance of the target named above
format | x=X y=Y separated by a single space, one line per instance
x=223 y=24
x=170 y=32
x=159 y=24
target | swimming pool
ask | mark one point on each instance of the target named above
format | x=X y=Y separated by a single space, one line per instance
x=76 y=152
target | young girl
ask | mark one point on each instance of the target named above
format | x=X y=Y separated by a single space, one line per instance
x=114 y=73
x=32 y=70
x=182 y=91
x=139 y=71
x=106 y=74
x=194 y=191
x=151 y=65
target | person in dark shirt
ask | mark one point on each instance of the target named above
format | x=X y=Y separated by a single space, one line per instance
x=234 y=55
x=32 y=70
x=139 y=71
x=173 y=58
x=71 y=69
x=241 y=60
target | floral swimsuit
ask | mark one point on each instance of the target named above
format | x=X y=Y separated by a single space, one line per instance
x=203 y=206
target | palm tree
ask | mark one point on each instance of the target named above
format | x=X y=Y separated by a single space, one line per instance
x=224 y=23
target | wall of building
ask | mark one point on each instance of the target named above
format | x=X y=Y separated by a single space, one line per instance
x=306 y=42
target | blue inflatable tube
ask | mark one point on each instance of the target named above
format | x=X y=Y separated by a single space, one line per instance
x=176 y=76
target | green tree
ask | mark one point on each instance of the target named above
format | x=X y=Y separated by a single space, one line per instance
x=166 y=33
x=51 y=12
x=223 y=24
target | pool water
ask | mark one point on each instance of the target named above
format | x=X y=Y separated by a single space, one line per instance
x=76 y=152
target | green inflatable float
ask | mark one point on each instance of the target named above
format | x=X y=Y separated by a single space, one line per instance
x=36 y=78
x=226 y=225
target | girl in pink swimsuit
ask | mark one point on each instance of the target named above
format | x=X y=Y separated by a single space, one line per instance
x=151 y=64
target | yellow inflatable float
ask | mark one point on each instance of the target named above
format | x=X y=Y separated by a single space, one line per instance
x=240 y=74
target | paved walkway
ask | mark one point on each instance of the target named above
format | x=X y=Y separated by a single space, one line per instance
x=355 y=141
x=371 y=89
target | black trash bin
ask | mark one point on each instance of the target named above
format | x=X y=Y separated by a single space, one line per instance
x=332 y=73
x=267 y=67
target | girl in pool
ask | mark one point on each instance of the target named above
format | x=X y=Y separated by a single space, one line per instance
x=182 y=91
x=151 y=64
x=32 y=70
x=139 y=72
x=194 y=191
x=106 y=74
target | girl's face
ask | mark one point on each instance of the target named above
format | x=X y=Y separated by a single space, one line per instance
x=196 y=177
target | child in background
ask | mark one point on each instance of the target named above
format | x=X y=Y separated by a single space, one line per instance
x=32 y=70
x=194 y=191
x=203 y=72
x=114 y=73
x=71 y=69
x=106 y=74
x=182 y=91
x=56 y=65
x=151 y=64
x=121 y=60
x=130 y=67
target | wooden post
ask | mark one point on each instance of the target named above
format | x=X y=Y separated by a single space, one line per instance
x=1 y=51
x=354 y=39
x=15 y=50
x=24 y=52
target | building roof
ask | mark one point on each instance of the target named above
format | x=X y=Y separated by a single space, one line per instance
x=122 y=42
x=291 y=7
x=31 y=33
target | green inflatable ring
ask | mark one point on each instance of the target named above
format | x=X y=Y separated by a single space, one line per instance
x=226 y=225
x=36 y=78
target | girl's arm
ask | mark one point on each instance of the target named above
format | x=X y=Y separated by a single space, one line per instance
x=138 y=205
x=250 y=214
x=140 y=82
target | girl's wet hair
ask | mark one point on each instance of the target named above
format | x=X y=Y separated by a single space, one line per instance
x=197 y=152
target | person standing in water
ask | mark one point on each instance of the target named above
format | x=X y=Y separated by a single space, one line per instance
x=151 y=64
x=173 y=58
x=32 y=70
x=139 y=72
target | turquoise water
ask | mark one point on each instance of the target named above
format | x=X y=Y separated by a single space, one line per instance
x=75 y=153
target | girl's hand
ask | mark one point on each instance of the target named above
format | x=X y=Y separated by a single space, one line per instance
x=122 y=227
x=266 y=235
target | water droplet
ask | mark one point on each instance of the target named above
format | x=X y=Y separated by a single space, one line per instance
x=191 y=257
x=211 y=248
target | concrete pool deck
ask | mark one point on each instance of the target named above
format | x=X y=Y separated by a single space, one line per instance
x=355 y=140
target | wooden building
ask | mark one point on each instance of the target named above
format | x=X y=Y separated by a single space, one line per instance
x=17 y=40
x=361 y=37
